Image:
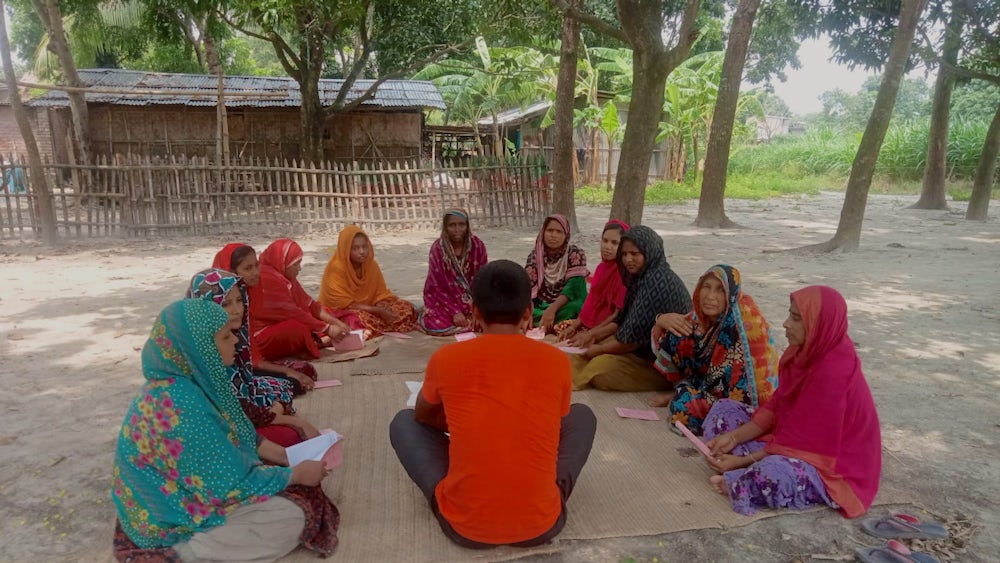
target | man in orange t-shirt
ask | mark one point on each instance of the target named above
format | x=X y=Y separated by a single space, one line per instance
x=494 y=443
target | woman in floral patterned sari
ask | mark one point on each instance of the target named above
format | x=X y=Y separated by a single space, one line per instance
x=189 y=482
x=722 y=349
x=454 y=259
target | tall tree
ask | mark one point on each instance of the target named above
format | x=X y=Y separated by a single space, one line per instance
x=932 y=194
x=982 y=182
x=39 y=184
x=52 y=20
x=642 y=27
x=711 y=202
x=564 y=153
x=852 y=215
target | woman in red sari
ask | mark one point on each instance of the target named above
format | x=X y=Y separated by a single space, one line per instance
x=817 y=440
x=285 y=320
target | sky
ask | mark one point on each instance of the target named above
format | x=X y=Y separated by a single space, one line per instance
x=817 y=75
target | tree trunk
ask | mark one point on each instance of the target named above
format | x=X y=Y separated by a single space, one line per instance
x=712 y=202
x=312 y=116
x=563 y=150
x=982 y=183
x=39 y=184
x=222 y=118
x=932 y=194
x=52 y=20
x=644 y=110
x=652 y=62
x=852 y=215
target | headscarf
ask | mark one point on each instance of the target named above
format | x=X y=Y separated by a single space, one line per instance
x=278 y=298
x=213 y=284
x=607 y=292
x=342 y=286
x=448 y=288
x=224 y=258
x=653 y=290
x=823 y=412
x=186 y=454
x=549 y=270
x=734 y=357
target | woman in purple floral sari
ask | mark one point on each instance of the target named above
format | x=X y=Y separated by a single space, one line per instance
x=454 y=260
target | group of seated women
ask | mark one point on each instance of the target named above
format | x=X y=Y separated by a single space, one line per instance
x=201 y=470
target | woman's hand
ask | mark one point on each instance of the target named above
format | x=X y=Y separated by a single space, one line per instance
x=308 y=429
x=336 y=332
x=582 y=339
x=460 y=320
x=304 y=380
x=722 y=444
x=592 y=351
x=674 y=323
x=548 y=320
x=309 y=473
x=728 y=462
x=386 y=313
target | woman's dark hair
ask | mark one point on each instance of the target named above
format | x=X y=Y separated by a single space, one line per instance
x=239 y=255
x=612 y=225
x=501 y=291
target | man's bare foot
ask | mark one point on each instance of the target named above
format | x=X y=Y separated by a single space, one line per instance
x=661 y=399
x=718 y=483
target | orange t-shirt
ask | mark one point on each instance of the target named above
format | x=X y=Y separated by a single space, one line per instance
x=504 y=398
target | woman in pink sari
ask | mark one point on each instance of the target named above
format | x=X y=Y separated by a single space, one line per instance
x=454 y=260
x=284 y=319
x=817 y=440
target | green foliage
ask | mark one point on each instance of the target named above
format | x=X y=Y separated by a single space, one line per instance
x=975 y=101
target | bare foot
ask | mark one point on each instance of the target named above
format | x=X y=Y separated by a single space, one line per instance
x=718 y=483
x=661 y=399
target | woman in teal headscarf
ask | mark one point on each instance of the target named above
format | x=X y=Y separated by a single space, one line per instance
x=188 y=477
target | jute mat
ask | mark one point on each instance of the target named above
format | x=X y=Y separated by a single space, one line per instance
x=400 y=356
x=331 y=357
x=641 y=479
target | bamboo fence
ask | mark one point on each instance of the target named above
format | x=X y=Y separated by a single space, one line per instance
x=137 y=196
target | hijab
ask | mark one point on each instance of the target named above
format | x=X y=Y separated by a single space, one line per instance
x=652 y=290
x=186 y=454
x=607 y=292
x=342 y=285
x=823 y=412
x=550 y=269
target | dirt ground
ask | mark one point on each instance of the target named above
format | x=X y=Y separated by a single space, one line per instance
x=923 y=312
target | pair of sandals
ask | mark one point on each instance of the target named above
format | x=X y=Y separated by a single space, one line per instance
x=895 y=527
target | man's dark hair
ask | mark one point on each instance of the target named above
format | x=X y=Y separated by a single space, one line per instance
x=501 y=291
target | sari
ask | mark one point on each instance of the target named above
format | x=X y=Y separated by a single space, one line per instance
x=448 y=288
x=256 y=393
x=823 y=412
x=342 y=287
x=285 y=320
x=562 y=271
x=732 y=358
x=607 y=292
x=186 y=453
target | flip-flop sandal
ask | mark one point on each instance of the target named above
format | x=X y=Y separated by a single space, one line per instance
x=904 y=526
x=893 y=552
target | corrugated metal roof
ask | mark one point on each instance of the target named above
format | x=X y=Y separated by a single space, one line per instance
x=202 y=87
x=515 y=116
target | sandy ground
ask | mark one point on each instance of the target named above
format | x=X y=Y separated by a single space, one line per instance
x=923 y=311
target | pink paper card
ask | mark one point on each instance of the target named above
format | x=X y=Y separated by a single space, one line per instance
x=637 y=414
x=536 y=333
x=463 y=336
x=353 y=340
x=694 y=439
x=334 y=456
x=327 y=383
x=400 y=335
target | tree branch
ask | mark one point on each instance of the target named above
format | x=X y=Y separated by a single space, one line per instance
x=590 y=20
x=281 y=48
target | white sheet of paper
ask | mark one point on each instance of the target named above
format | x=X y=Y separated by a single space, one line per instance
x=572 y=349
x=414 y=387
x=312 y=449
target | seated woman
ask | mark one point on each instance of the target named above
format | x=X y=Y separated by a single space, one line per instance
x=191 y=480
x=623 y=361
x=454 y=260
x=817 y=440
x=558 y=272
x=241 y=259
x=353 y=281
x=606 y=296
x=284 y=319
x=266 y=400
x=721 y=349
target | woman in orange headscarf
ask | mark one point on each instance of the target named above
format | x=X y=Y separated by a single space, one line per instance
x=285 y=320
x=353 y=280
